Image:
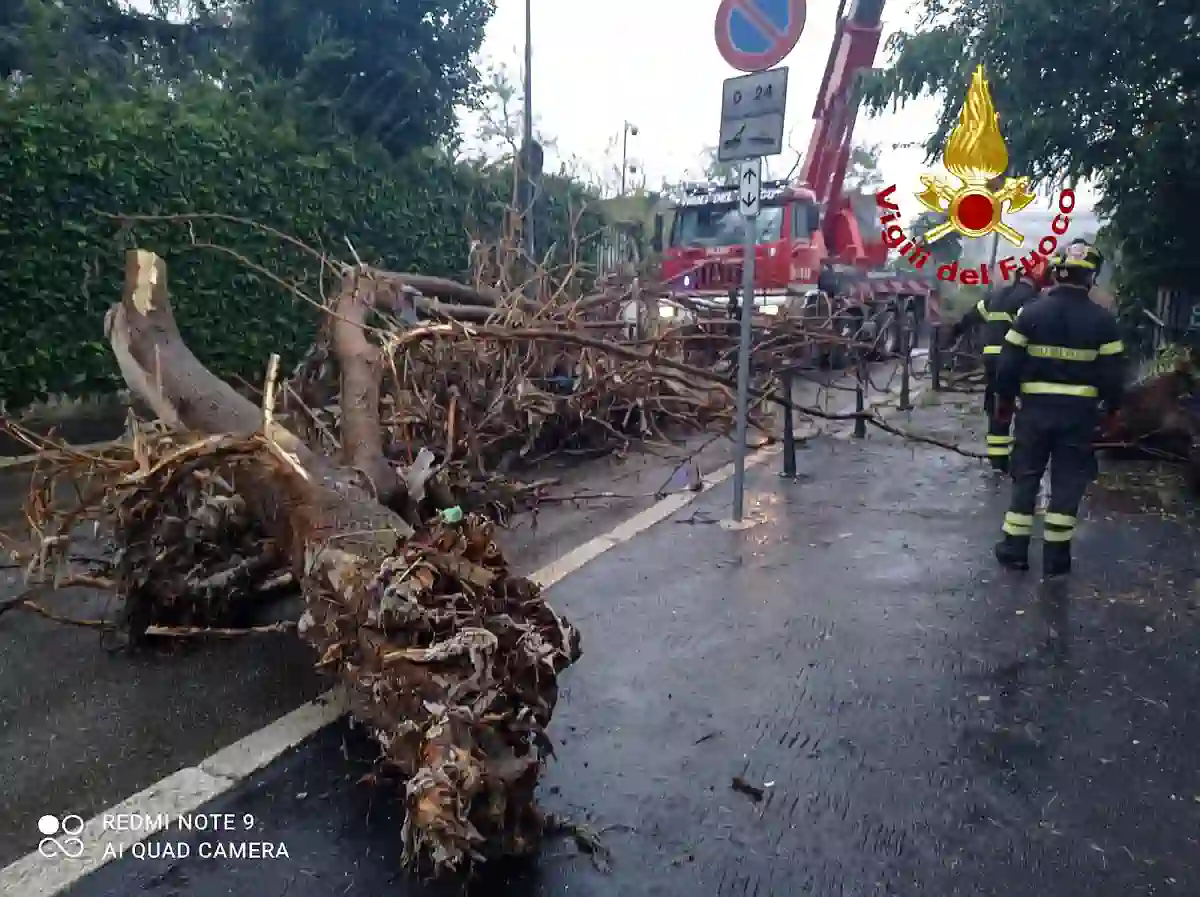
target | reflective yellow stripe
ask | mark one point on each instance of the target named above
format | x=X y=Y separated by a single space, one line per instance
x=1018 y=519
x=1015 y=529
x=1060 y=519
x=1059 y=389
x=1058 y=535
x=999 y=316
x=1017 y=339
x=1116 y=347
x=999 y=440
x=992 y=350
x=999 y=451
x=1061 y=353
x=981 y=307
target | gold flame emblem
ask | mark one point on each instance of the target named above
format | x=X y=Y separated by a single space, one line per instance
x=977 y=156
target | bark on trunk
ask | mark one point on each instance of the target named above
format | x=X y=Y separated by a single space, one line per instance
x=450 y=660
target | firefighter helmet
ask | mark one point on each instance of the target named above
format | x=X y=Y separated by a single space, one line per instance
x=1079 y=262
x=1079 y=253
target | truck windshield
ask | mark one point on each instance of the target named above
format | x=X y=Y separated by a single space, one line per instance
x=709 y=226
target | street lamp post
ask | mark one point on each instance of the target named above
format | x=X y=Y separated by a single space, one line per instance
x=629 y=131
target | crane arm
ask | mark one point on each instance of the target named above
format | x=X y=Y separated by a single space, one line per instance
x=854 y=45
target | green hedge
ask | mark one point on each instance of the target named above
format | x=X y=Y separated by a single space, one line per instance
x=65 y=154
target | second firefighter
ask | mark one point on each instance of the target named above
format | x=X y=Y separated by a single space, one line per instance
x=996 y=313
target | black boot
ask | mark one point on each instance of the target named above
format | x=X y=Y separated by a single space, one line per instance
x=999 y=463
x=1056 y=559
x=1013 y=552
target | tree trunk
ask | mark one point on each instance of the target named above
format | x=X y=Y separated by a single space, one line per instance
x=451 y=661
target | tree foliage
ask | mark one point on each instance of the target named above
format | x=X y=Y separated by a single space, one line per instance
x=862 y=169
x=394 y=71
x=948 y=249
x=1103 y=90
x=48 y=38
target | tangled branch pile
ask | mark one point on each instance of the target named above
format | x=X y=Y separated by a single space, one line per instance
x=485 y=387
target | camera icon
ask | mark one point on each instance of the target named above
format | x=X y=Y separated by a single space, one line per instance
x=70 y=846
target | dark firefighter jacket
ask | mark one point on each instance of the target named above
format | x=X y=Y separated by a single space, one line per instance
x=1062 y=348
x=997 y=313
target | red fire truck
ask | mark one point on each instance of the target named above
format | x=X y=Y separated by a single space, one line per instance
x=810 y=255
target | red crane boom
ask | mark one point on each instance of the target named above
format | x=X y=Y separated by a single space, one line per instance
x=834 y=115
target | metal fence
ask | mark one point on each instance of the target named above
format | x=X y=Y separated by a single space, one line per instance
x=1179 y=313
x=1176 y=322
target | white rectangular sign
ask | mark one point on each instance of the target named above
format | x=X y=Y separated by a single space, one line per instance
x=751 y=138
x=752 y=95
x=749 y=187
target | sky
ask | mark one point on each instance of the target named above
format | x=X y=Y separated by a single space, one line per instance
x=655 y=64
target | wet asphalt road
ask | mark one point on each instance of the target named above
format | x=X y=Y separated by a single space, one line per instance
x=82 y=727
x=921 y=724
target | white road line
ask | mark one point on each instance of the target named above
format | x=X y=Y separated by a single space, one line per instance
x=185 y=791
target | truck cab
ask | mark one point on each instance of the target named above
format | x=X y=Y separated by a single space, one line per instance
x=704 y=250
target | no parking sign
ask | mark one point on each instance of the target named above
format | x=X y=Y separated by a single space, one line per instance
x=753 y=35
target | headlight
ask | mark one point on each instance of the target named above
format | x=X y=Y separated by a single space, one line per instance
x=666 y=311
x=770 y=309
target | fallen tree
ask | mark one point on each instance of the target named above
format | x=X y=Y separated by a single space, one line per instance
x=449 y=659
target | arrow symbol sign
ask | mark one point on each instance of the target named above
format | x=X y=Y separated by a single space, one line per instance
x=750 y=193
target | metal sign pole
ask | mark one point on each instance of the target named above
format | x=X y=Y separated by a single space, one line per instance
x=752 y=36
x=749 y=195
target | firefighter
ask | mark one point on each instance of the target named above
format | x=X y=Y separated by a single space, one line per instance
x=1063 y=356
x=828 y=281
x=996 y=312
x=733 y=308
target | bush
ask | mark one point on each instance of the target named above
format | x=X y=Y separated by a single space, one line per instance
x=66 y=157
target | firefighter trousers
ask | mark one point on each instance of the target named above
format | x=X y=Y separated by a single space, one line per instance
x=1061 y=438
x=999 y=438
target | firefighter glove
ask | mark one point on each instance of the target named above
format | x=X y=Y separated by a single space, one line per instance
x=1004 y=410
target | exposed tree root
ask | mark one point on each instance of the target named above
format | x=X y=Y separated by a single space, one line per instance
x=451 y=661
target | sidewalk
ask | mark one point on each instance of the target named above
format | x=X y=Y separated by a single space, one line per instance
x=919 y=723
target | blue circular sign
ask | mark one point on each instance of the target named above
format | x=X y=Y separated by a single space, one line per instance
x=754 y=35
